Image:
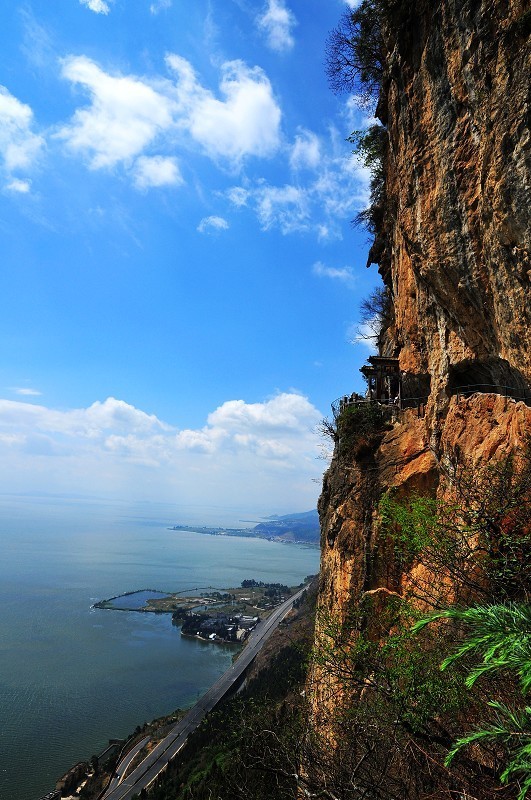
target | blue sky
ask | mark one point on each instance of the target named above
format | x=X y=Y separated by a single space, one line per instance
x=180 y=277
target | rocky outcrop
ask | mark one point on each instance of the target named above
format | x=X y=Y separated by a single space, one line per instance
x=355 y=558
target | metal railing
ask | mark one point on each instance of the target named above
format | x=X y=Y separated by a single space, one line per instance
x=419 y=403
x=399 y=404
x=511 y=392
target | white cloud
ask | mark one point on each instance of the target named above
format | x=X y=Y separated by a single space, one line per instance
x=363 y=334
x=37 y=41
x=306 y=151
x=160 y=5
x=283 y=207
x=238 y=196
x=212 y=223
x=336 y=189
x=245 y=452
x=245 y=123
x=26 y=391
x=125 y=116
x=157 y=171
x=98 y=6
x=19 y=145
x=277 y=22
x=355 y=113
x=285 y=412
x=17 y=185
x=353 y=3
x=344 y=274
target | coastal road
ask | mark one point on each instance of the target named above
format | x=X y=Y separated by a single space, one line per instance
x=146 y=772
x=124 y=764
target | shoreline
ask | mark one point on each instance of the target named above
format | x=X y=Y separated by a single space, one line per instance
x=246 y=533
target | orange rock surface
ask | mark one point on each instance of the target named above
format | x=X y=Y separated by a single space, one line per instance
x=454 y=251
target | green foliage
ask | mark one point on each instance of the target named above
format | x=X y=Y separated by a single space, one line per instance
x=355 y=63
x=371 y=146
x=359 y=427
x=480 y=544
x=399 y=667
x=391 y=700
x=500 y=635
x=411 y=523
x=476 y=547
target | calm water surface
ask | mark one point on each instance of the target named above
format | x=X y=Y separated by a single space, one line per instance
x=71 y=677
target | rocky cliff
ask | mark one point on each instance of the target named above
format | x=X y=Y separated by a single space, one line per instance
x=453 y=247
x=454 y=251
x=456 y=239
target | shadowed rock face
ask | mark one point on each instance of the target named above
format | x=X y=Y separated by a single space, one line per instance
x=456 y=100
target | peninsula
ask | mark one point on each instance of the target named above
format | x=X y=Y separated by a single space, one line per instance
x=301 y=528
x=217 y=615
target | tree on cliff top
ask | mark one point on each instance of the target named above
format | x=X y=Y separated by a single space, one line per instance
x=354 y=59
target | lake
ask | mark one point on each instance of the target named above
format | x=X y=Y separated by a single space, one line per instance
x=71 y=676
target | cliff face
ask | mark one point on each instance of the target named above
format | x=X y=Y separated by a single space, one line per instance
x=455 y=254
x=454 y=251
x=456 y=100
x=355 y=558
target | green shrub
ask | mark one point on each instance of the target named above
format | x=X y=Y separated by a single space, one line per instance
x=359 y=428
x=371 y=146
x=476 y=548
x=500 y=635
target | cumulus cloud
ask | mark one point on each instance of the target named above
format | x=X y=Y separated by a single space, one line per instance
x=306 y=151
x=157 y=171
x=264 y=450
x=245 y=122
x=274 y=430
x=126 y=114
x=276 y=23
x=212 y=223
x=19 y=145
x=89 y=423
x=98 y=6
x=343 y=274
x=285 y=412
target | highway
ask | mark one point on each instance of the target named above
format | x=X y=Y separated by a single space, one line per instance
x=146 y=772
x=124 y=764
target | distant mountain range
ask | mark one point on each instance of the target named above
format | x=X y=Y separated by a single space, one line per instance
x=302 y=527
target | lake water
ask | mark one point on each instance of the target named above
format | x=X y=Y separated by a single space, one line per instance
x=71 y=676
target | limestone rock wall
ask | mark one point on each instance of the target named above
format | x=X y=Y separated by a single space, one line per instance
x=456 y=100
x=454 y=250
